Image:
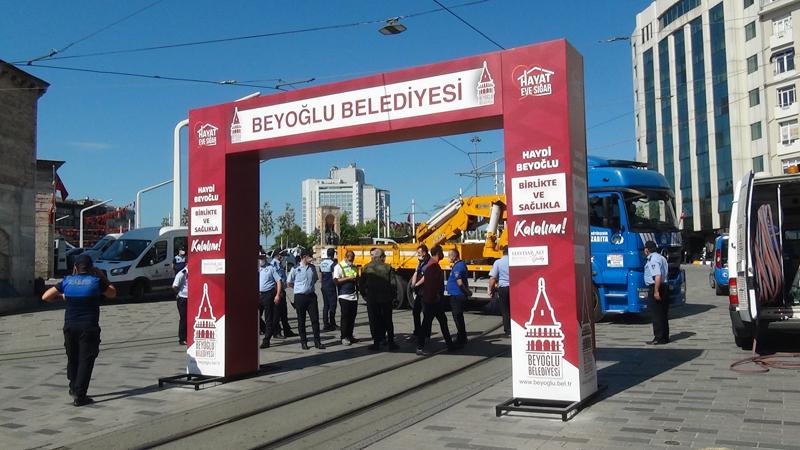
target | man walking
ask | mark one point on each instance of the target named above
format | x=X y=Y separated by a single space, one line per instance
x=83 y=291
x=498 y=282
x=269 y=296
x=328 y=290
x=458 y=290
x=379 y=287
x=180 y=285
x=423 y=258
x=655 y=273
x=345 y=275
x=433 y=302
x=282 y=328
x=303 y=280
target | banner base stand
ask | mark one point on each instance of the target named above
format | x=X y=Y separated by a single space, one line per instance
x=188 y=379
x=567 y=410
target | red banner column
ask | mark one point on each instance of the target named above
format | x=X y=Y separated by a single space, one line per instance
x=545 y=158
x=223 y=238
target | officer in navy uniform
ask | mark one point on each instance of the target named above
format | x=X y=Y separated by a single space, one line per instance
x=328 y=290
x=181 y=287
x=303 y=280
x=655 y=277
x=269 y=297
x=82 y=291
x=179 y=261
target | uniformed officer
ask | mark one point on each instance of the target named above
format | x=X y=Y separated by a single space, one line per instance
x=498 y=282
x=303 y=280
x=328 y=290
x=181 y=287
x=269 y=296
x=378 y=285
x=417 y=280
x=655 y=276
x=179 y=261
x=282 y=328
x=83 y=291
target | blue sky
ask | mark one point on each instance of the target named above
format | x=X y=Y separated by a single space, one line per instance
x=115 y=132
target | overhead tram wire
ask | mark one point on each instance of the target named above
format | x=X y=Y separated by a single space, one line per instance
x=94 y=33
x=252 y=36
x=469 y=25
x=160 y=77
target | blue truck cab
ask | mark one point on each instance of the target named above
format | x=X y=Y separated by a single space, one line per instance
x=628 y=206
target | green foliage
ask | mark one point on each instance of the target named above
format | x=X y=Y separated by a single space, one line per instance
x=266 y=223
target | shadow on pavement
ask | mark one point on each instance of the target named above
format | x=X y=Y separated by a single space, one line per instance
x=109 y=396
x=633 y=366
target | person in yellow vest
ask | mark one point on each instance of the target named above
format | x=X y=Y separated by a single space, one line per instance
x=345 y=275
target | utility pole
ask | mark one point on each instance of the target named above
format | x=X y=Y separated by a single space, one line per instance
x=413 y=222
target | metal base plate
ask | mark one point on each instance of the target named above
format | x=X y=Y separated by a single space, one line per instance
x=188 y=379
x=567 y=410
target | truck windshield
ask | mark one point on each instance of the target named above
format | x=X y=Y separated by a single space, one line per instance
x=650 y=211
x=125 y=250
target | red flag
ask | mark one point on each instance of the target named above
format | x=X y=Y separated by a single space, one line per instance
x=61 y=188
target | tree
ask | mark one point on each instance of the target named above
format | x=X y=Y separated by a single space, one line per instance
x=266 y=223
x=285 y=225
x=185 y=217
x=347 y=232
x=165 y=222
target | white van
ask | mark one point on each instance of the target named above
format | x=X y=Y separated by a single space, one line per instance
x=140 y=260
x=101 y=246
x=764 y=254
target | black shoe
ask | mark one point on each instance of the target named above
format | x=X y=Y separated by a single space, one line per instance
x=319 y=345
x=508 y=335
x=289 y=333
x=304 y=345
x=411 y=338
x=374 y=347
x=422 y=352
x=264 y=344
x=326 y=327
x=83 y=401
x=334 y=327
x=353 y=340
x=655 y=342
x=181 y=342
x=71 y=393
x=278 y=336
x=393 y=346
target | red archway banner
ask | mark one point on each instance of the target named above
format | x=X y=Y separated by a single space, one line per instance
x=534 y=93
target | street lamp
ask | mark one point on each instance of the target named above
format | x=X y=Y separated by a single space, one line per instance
x=614 y=39
x=393 y=26
x=80 y=243
x=150 y=188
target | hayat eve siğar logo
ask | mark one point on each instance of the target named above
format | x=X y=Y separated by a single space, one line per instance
x=533 y=81
x=545 y=340
x=206 y=135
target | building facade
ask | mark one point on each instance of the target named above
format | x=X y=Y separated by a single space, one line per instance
x=714 y=97
x=345 y=188
x=19 y=99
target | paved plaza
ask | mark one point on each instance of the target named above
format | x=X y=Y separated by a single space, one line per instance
x=682 y=395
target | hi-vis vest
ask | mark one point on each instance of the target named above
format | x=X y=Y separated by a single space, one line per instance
x=348 y=287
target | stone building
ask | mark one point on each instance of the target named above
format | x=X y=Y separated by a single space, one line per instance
x=19 y=97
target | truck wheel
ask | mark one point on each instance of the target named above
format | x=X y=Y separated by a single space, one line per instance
x=137 y=291
x=400 y=298
x=597 y=311
x=410 y=297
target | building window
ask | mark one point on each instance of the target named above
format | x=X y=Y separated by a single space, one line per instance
x=748 y=3
x=786 y=96
x=755 y=99
x=784 y=61
x=752 y=64
x=791 y=165
x=789 y=132
x=758 y=164
x=676 y=11
x=755 y=131
x=750 y=31
x=781 y=25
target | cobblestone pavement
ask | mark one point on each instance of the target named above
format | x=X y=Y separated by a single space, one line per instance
x=682 y=395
